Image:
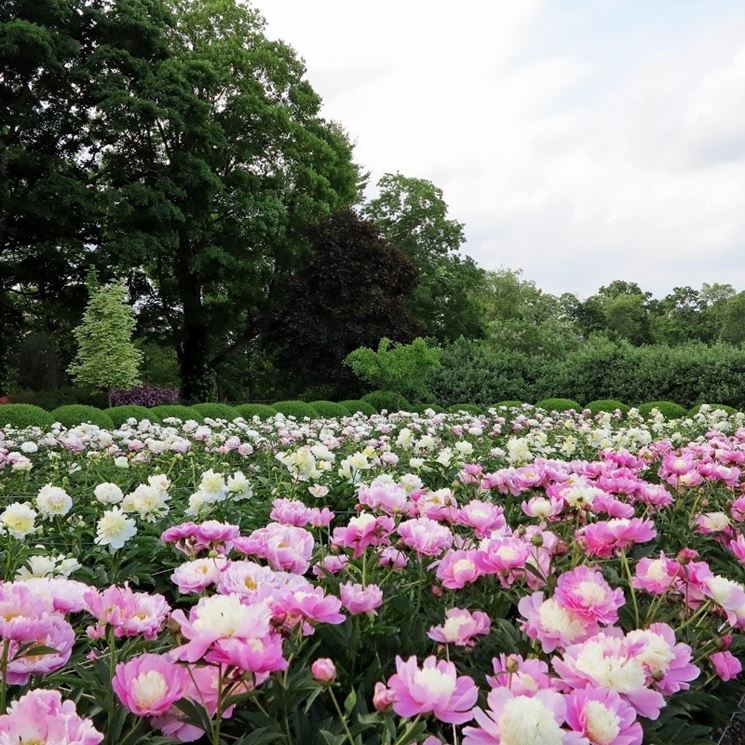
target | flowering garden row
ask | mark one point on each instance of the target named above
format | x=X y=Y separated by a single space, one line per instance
x=512 y=577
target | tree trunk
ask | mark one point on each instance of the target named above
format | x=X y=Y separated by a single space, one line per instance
x=194 y=357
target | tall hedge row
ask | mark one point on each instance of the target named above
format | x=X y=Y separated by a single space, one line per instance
x=688 y=374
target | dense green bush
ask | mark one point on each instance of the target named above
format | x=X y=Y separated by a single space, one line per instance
x=607 y=404
x=178 y=411
x=298 y=409
x=120 y=414
x=559 y=404
x=722 y=407
x=668 y=409
x=354 y=405
x=248 y=411
x=388 y=400
x=421 y=408
x=471 y=371
x=215 y=411
x=470 y=408
x=330 y=409
x=24 y=415
x=53 y=399
x=74 y=414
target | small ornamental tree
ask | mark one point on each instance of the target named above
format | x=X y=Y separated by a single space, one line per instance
x=106 y=357
x=402 y=368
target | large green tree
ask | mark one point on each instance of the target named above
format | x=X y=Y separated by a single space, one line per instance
x=48 y=207
x=413 y=215
x=216 y=160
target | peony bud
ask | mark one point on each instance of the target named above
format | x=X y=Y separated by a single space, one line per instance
x=323 y=670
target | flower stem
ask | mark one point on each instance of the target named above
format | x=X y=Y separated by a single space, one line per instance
x=342 y=718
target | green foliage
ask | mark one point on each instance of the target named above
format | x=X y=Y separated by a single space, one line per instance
x=120 y=414
x=159 y=365
x=330 y=409
x=714 y=407
x=733 y=320
x=403 y=368
x=388 y=400
x=74 y=414
x=469 y=408
x=559 y=404
x=24 y=415
x=297 y=409
x=106 y=356
x=178 y=411
x=248 y=411
x=215 y=411
x=354 y=406
x=421 y=408
x=413 y=215
x=52 y=399
x=607 y=404
x=668 y=409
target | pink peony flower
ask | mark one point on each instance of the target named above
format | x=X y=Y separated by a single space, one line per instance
x=425 y=536
x=323 y=670
x=48 y=630
x=603 y=539
x=283 y=546
x=613 y=663
x=502 y=555
x=41 y=716
x=311 y=606
x=149 y=684
x=519 y=720
x=483 y=517
x=290 y=512
x=603 y=717
x=383 y=697
x=358 y=599
x=362 y=531
x=383 y=494
x=457 y=569
x=435 y=687
x=656 y=576
x=460 y=627
x=198 y=574
x=585 y=592
x=548 y=622
x=392 y=558
x=726 y=665
x=130 y=613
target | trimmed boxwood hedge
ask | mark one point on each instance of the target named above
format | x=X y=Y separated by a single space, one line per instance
x=388 y=400
x=723 y=407
x=164 y=411
x=73 y=414
x=668 y=409
x=469 y=408
x=24 y=415
x=508 y=405
x=298 y=409
x=330 y=409
x=607 y=404
x=354 y=405
x=120 y=414
x=248 y=411
x=215 y=411
x=558 y=404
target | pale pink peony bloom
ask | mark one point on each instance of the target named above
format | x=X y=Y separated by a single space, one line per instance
x=656 y=576
x=425 y=536
x=392 y=558
x=668 y=664
x=41 y=716
x=435 y=688
x=519 y=720
x=199 y=574
x=362 y=531
x=323 y=670
x=383 y=697
x=311 y=606
x=737 y=547
x=383 y=494
x=547 y=621
x=457 y=569
x=48 y=630
x=602 y=717
x=216 y=619
x=726 y=665
x=357 y=599
x=614 y=663
x=543 y=508
x=483 y=517
x=290 y=512
x=503 y=555
x=283 y=546
x=150 y=684
x=129 y=613
x=331 y=564
x=603 y=539
x=66 y=595
x=460 y=627
x=585 y=592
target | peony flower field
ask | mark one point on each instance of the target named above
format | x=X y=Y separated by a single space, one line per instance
x=512 y=578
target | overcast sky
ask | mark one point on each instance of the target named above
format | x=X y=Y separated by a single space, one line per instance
x=580 y=140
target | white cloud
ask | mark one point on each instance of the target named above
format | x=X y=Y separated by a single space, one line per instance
x=577 y=163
